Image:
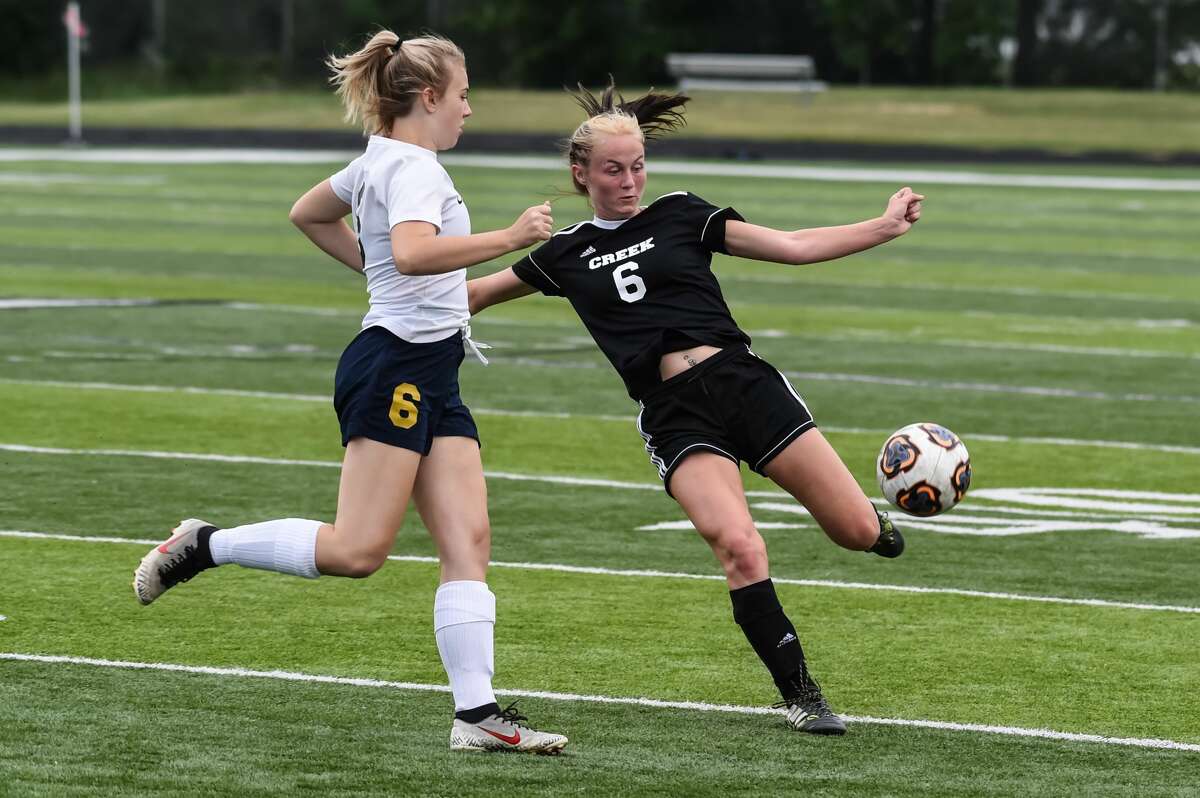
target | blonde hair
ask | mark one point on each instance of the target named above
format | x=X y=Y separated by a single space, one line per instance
x=380 y=82
x=646 y=117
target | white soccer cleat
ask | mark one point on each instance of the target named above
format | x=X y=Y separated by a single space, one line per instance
x=170 y=563
x=504 y=732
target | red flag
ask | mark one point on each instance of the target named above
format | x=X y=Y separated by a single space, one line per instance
x=74 y=22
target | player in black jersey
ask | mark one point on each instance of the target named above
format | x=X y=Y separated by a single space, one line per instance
x=640 y=279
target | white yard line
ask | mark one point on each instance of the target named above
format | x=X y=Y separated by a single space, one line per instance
x=784 y=278
x=840 y=174
x=1157 y=526
x=695 y=706
x=485 y=411
x=837 y=174
x=60 y=178
x=871 y=336
x=199 y=155
x=654 y=574
x=985 y=387
x=28 y=303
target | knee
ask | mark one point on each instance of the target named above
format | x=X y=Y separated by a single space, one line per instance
x=480 y=537
x=358 y=563
x=362 y=566
x=469 y=541
x=739 y=546
x=861 y=532
x=464 y=551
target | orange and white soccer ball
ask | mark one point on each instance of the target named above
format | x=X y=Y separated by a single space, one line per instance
x=923 y=469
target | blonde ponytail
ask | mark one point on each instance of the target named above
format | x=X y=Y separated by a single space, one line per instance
x=380 y=82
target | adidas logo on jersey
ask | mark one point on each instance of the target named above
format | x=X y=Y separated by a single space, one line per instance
x=589 y=251
x=620 y=254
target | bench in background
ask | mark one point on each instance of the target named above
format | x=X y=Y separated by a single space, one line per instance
x=736 y=72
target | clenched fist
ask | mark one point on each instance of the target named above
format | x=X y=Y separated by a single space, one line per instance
x=532 y=226
x=904 y=208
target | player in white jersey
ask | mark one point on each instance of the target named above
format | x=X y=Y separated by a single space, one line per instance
x=640 y=279
x=406 y=431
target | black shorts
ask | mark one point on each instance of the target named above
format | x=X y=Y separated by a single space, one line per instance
x=734 y=404
x=401 y=393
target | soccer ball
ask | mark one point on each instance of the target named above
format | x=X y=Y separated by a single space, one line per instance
x=923 y=469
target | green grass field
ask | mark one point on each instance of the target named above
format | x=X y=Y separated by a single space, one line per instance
x=1058 y=120
x=1057 y=331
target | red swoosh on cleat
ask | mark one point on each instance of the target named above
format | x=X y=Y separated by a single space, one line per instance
x=163 y=548
x=512 y=739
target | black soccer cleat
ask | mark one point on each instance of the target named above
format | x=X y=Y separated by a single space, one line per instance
x=807 y=709
x=890 y=543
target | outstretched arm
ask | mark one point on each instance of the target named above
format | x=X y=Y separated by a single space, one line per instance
x=418 y=249
x=824 y=243
x=483 y=292
x=321 y=216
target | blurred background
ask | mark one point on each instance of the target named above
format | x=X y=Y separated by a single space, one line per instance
x=141 y=46
x=1114 y=81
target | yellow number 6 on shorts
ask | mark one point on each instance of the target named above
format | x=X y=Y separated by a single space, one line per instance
x=403 y=411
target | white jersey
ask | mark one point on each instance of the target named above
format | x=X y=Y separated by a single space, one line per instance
x=394 y=182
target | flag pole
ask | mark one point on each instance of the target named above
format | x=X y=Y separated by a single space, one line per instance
x=74 y=101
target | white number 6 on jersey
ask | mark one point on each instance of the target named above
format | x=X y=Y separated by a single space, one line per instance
x=629 y=286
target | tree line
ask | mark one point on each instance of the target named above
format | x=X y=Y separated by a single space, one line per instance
x=223 y=44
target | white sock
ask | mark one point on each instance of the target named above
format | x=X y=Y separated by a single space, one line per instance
x=286 y=545
x=464 y=617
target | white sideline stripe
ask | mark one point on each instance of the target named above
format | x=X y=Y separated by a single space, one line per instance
x=28 y=303
x=829 y=583
x=312 y=678
x=851 y=175
x=1059 y=349
x=188 y=389
x=666 y=167
x=1153 y=447
x=215 y=458
x=987 y=387
x=874 y=379
x=200 y=155
x=294 y=397
x=652 y=574
x=20 y=533
x=1022 y=291
x=551 y=479
x=860 y=336
x=34 y=179
x=229 y=458
x=485 y=411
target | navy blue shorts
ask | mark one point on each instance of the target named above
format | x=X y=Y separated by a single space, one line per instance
x=401 y=393
x=734 y=404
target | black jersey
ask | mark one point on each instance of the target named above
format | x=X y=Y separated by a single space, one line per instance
x=645 y=287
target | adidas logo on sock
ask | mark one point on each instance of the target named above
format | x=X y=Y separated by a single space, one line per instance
x=588 y=251
x=787 y=638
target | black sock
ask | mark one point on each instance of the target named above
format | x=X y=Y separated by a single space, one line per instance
x=478 y=713
x=203 y=550
x=757 y=610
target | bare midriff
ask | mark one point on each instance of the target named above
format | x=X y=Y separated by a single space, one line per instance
x=674 y=363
